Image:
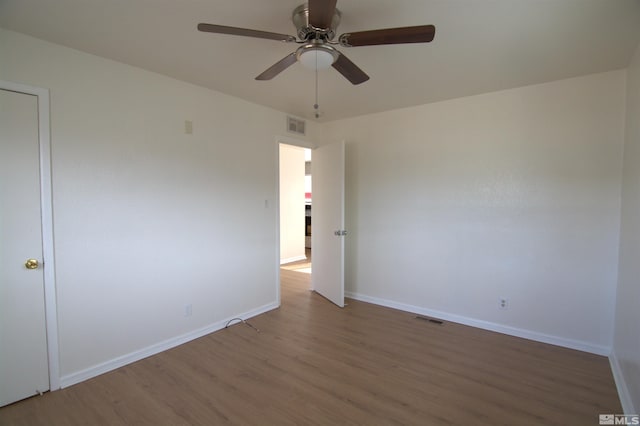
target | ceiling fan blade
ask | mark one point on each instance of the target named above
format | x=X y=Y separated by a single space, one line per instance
x=278 y=67
x=321 y=13
x=221 y=29
x=349 y=70
x=417 y=34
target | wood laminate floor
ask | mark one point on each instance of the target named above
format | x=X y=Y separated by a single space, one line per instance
x=313 y=363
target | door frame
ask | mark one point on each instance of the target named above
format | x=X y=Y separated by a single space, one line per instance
x=46 y=213
x=287 y=140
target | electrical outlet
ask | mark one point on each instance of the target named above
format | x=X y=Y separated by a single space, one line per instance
x=504 y=303
x=188 y=310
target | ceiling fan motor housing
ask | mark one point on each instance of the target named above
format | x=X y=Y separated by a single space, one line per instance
x=306 y=31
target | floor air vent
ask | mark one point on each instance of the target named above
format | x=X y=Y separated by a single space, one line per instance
x=431 y=320
x=295 y=125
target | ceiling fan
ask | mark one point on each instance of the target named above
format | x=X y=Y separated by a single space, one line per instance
x=316 y=23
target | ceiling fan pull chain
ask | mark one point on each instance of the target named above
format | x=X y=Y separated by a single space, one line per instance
x=315 y=106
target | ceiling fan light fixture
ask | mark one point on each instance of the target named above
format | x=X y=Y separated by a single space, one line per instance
x=318 y=57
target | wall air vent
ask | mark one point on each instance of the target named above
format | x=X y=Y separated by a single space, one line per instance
x=295 y=125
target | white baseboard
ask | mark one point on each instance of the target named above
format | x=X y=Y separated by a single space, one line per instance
x=621 y=385
x=486 y=325
x=293 y=259
x=96 y=370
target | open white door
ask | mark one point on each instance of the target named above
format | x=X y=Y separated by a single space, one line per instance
x=327 y=236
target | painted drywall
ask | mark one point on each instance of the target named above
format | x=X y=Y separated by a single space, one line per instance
x=292 y=221
x=450 y=206
x=626 y=347
x=515 y=194
x=147 y=219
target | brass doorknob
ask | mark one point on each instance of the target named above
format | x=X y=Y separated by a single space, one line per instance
x=31 y=264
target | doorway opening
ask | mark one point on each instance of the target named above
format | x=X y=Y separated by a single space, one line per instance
x=326 y=220
x=295 y=208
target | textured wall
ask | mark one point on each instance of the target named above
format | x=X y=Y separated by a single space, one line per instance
x=148 y=219
x=514 y=194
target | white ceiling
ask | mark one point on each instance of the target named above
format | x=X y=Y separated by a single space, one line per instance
x=480 y=45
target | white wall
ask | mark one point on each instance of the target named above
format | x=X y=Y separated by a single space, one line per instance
x=450 y=206
x=516 y=194
x=148 y=219
x=292 y=220
x=626 y=347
